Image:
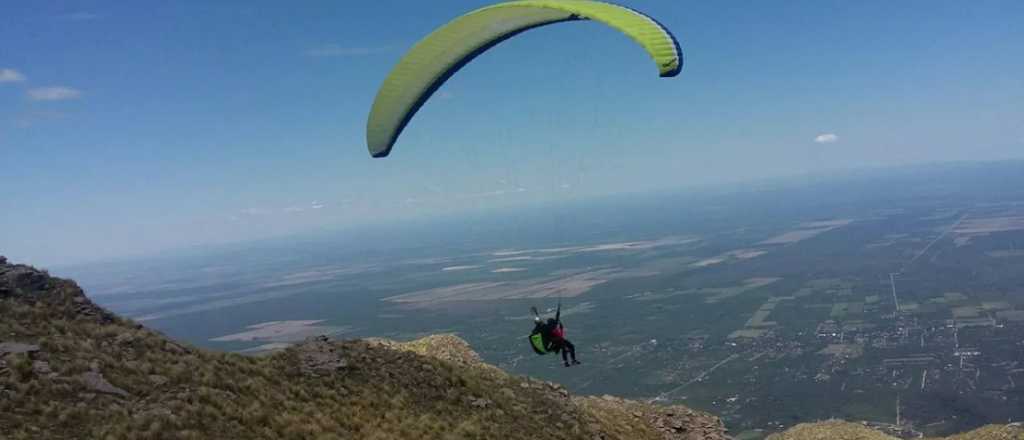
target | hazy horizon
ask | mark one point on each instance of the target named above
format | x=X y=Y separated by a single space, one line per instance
x=443 y=230
x=485 y=216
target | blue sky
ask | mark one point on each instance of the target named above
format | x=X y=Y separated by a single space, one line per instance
x=133 y=127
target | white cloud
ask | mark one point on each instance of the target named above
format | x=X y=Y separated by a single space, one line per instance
x=317 y=205
x=826 y=138
x=294 y=209
x=334 y=50
x=54 y=93
x=11 y=75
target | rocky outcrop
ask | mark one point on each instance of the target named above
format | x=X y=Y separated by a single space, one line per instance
x=615 y=417
x=28 y=284
x=319 y=356
x=665 y=422
x=831 y=430
x=21 y=279
x=17 y=347
x=446 y=347
x=96 y=382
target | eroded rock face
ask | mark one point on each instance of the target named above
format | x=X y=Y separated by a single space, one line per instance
x=318 y=356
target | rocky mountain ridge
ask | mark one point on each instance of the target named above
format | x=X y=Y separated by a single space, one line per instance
x=70 y=369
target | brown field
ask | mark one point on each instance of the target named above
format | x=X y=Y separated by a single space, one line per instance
x=721 y=293
x=604 y=247
x=565 y=284
x=807 y=230
x=739 y=254
x=995 y=305
x=826 y=223
x=966 y=312
x=795 y=236
x=455 y=268
x=974 y=227
x=991 y=224
x=747 y=333
x=709 y=262
x=758 y=319
x=458 y=291
x=318 y=275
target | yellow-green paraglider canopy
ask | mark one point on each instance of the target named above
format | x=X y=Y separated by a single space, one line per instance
x=439 y=55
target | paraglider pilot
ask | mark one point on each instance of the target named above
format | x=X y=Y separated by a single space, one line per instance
x=553 y=333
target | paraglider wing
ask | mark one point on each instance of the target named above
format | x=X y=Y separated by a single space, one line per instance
x=439 y=55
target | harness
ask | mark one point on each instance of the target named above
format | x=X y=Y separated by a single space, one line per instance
x=537 y=342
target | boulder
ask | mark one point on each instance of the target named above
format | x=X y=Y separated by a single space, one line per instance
x=96 y=382
x=21 y=278
x=480 y=402
x=318 y=356
x=17 y=347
